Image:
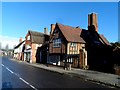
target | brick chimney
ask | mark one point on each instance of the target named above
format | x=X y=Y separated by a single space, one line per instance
x=92 y=22
x=52 y=28
x=46 y=30
x=20 y=40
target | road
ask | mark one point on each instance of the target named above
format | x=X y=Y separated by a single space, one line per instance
x=20 y=75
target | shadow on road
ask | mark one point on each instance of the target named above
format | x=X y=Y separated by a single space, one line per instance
x=6 y=86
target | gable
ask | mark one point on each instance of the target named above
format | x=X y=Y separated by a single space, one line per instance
x=57 y=34
x=71 y=34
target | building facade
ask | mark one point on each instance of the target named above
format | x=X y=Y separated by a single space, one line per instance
x=80 y=47
x=66 y=46
x=99 y=50
x=33 y=41
x=18 y=50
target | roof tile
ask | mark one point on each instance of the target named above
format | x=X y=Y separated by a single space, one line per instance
x=71 y=34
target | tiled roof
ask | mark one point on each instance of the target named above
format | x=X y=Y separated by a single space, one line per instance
x=70 y=33
x=117 y=48
x=94 y=38
x=104 y=39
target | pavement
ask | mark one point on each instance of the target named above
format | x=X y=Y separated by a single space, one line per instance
x=88 y=75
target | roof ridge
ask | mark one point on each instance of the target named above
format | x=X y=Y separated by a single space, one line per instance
x=68 y=25
x=37 y=32
x=67 y=30
x=34 y=31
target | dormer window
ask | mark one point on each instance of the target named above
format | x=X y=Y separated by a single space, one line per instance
x=57 y=42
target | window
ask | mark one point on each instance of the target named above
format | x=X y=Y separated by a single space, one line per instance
x=57 y=42
x=72 y=44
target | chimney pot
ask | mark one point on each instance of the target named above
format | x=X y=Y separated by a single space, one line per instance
x=20 y=40
x=46 y=30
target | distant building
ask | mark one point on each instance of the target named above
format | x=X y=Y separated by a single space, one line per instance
x=1 y=53
x=19 y=50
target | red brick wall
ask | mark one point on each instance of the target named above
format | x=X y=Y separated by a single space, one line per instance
x=33 y=53
x=56 y=49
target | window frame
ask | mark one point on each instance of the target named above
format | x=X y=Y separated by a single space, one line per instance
x=73 y=44
x=57 y=42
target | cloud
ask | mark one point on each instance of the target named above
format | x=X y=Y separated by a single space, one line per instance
x=11 y=41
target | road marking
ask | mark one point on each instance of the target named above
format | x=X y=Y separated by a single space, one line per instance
x=19 y=77
x=9 y=70
x=2 y=65
x=33 y=87
x=24 y=81
x=28 y=83
x=16 y=74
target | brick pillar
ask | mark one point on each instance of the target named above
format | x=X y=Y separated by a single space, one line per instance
x=81 y=58
x=85 y=54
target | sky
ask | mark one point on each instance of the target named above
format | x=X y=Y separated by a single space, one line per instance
x=19 y=17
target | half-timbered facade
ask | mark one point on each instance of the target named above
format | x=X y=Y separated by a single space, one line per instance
x=80 y=47
x=66 y=45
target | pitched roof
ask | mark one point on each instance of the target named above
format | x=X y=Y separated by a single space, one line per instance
x=94 y=38
x=70 y=33
x=37 y=37
x=19 y=44
x=117 y=48
x=104 y=39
